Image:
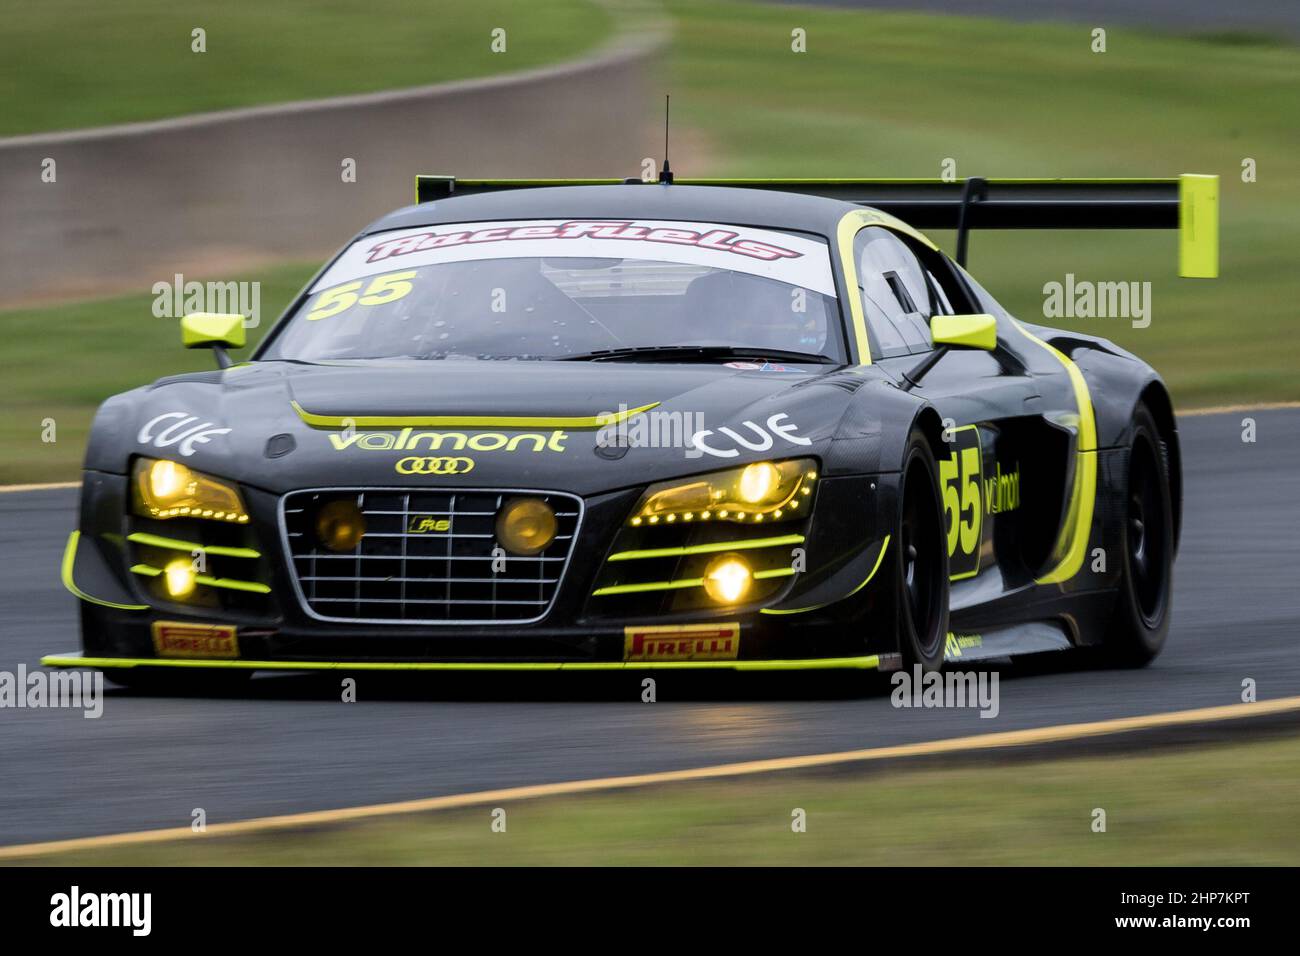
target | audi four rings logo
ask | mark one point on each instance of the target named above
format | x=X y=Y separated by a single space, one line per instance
x=434 y=466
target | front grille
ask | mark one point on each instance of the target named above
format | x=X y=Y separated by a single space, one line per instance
x=434 y=576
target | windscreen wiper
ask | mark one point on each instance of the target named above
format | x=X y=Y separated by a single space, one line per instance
x=689 y=353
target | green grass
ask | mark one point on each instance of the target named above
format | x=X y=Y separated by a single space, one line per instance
x=1220 y=806
x=61 y=362
x=76 y=63
x=880 y=94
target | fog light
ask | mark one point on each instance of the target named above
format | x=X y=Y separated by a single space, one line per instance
x=178 y=578
x=340 y=525
x=727 y=579
x=526 y=526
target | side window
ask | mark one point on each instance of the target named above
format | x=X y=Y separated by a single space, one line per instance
x=985 y=301
x=941 y=304
x=897 y=295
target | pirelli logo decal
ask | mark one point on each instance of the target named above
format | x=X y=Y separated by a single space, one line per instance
x=682 y=642
x=178 y=639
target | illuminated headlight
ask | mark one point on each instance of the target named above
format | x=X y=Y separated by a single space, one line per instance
x=758 y=482
x=761 y=491
x=168 y=489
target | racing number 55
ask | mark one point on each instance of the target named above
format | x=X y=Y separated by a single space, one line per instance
x=961 y=476
x=382 y=289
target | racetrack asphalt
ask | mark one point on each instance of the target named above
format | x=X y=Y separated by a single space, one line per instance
x=292 y=745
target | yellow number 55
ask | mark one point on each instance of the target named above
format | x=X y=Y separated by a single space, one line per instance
x=960 y=477
x=382 y=289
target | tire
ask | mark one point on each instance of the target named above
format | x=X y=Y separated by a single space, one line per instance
x=1140 y=621
x=921 y=565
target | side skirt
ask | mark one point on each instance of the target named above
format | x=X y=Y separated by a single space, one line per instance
x=1031 y=638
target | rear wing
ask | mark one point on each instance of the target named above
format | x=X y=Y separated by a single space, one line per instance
x=1188 y=203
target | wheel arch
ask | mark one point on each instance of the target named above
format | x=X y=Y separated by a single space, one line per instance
x=1156 y=398
x=871 y=435
x=929 y=423
x=1118 y=382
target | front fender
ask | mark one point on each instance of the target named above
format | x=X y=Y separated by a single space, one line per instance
x=872 y=434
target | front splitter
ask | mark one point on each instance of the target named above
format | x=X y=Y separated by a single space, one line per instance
x=869 y=662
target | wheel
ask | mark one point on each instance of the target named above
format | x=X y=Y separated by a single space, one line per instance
x=1140 y=621
x=922 y=560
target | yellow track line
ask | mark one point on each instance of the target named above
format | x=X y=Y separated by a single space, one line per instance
x=1012 y=738
x=1225 y=409
x=44 y=487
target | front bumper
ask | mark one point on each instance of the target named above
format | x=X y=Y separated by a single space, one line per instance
x=856 y=632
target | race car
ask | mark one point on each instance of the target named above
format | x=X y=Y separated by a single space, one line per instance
x=748 y=425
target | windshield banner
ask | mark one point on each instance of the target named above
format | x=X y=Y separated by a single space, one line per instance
x=795 y=260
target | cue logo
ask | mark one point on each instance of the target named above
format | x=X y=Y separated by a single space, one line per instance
x=180 y=428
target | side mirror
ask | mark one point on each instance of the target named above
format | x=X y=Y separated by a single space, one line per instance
x=965 y=331
x=213 y=330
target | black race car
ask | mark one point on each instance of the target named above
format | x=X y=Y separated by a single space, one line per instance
x=755 y=425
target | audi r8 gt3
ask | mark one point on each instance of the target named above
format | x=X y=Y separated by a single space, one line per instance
x=604 y=425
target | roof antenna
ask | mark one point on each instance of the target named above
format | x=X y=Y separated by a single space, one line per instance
x=666 y=174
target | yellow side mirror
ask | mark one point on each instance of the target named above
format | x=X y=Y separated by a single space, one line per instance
x=213 y=330
x=206 y=329
x=965 y=331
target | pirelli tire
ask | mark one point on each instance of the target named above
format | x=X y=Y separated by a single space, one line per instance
x=1139 y=622
x=921 y=559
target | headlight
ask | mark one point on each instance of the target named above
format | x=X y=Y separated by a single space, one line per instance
x=168 y=489
x=761 y=491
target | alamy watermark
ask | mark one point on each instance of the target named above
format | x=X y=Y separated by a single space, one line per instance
x=1084 y=299
x=649 y=429
x=172 y=300
x=133 y=911
x=947 y=689
x=42 y=689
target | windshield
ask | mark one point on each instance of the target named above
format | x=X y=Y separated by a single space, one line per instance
x=551 y=289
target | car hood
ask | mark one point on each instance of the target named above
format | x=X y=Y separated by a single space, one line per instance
x=284 y=425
